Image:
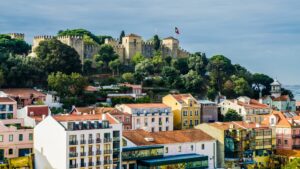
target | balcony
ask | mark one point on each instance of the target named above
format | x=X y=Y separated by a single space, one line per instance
x=91 y=153
x=296 y=135
x=82 y=164
x=98 y=152
x=91 y=141
x=106 y=162
x=98 y=163
x=107 y=151
x=73 y=154
x=82 y=153
x=73 y=166
x=91 y=164
x=73 y=142
x=296 y=146
x=116 y=138
x=98 y=140
x=82 y=141
x=107 y=140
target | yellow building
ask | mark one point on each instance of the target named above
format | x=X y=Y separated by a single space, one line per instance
x=185 y=108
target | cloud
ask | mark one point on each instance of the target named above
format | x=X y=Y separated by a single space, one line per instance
x=261 y=35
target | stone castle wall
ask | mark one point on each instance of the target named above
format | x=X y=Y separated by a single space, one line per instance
x=17 y=35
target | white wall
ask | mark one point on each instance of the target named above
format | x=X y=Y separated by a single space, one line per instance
x=50 y=145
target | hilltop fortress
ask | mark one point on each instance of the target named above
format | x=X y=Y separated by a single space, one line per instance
x=131 y=44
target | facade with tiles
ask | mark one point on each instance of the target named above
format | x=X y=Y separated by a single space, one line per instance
x=186 y=110
x=15 y=139
x=78 y=141
x=152 y=117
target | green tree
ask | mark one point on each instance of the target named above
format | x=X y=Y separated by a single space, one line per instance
x=88 y=36
x=169 y=74
x=194 y=83
x=102 y=38
x=122 y=34
x=168 y=60
x=67 y=85
x=156 y=42
x=15 y=46
x=293 y=164
x=181 y=64
x=232 y=115
x=285 y=91
x=88 y=67
x=157 y=61
x=128 y=77
x=57 y=56
x=106 y=54
x=241 y=71
x=260 y=80
x=137 y=58
x=114 y=66
x=198 y=62
x=241 y=87
x=145 y=67
x=2 y=78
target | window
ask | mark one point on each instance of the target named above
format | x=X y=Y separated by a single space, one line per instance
x=191 y=113
x=167 y=149
x=203 y=146
x=184 y=113
x=167 y=128
x=20 y=137
x=191 y=122
x=196 y=122
x=10 y=107
x=153 y=120
x=160 y=129
x=10 y=151
x=1 y=138
x=279 y=141
x=192 y=147
x=152 y=129
x=146 y=122
x=196 y=113
x=179 y=148
x=30 y=136
x=285 y=142
x=167 y=119
x=11 y=138
x=2 y=107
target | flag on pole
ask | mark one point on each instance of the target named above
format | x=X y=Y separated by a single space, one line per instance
x=177 y=30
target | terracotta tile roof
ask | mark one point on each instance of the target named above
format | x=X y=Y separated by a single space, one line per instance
x=37 y=110
x=281 y=98
x=7 y=99
x=282 y=120
x=288 y=153
x=99 y=110
x=298 y=103
x=147 y=105
x=237 y=125
x=23 y=92
x=131 y=85
x=254 y=104
x=90 y=89
x=182 y=97
x=166 y=137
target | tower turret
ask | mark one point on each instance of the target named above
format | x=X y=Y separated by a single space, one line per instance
x=276 y=88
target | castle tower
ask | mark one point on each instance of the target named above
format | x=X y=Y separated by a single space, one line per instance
x=132 y=44
x=20 y=36
x=38 y=39
x=172 y=45
x=276 y=89
x=75 y=42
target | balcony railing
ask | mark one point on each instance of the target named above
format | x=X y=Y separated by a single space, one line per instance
x=73 y=154
x=98 y=163
x=82 y=153
x=73 y=142
x=91 y=164
x=82 y=141
x=107 y=162
x=98 y=152
x=91 y=141
x=296 y=146
x=107 y=140
x=73 y=166
x=107 y=151
x=82 y=164
x=91 y=153
x=98 y=140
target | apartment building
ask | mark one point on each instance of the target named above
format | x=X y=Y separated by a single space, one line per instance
x=139 y=146
x=250 y=109
x=78 y=141
x=209 y=111
x=186 y=110
x=152 y=117
x=16 y=140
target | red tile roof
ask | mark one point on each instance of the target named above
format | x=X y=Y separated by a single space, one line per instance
x=182 y=97
x=166 y=137
x=147 y=105
x=37 y=110
x=237 y=125
x=7 y=99
x=254 y=104
x=288 y=153
x=23 y=92
x=282 y=120
x=90 y=89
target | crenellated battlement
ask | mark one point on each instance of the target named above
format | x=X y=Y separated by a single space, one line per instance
x=17 y=35
x=69 y=37
x=43 y=37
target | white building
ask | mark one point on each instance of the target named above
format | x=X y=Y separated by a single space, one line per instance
x=249 y=109
x=78 y=141
x=52 y=100
x=177 y=142
x=33 y=114
x=152 y=117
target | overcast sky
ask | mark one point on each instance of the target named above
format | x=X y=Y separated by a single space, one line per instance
x=261 y=35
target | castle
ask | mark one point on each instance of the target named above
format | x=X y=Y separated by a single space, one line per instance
x=132 y=43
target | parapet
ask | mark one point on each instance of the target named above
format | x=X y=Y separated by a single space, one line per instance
x=70 y=37
x=17 y=35
x=43 y=37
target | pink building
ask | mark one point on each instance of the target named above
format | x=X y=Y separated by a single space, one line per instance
x=23 y=96
x=15 y=139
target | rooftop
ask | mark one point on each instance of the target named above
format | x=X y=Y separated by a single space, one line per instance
x=282 y=121
x=139 y=137
x=7 y=99
x=182 y=97
x=170 y=37
x=86 y=117
x=237 y=125
x=147 y=105
x=288 y=153
x=37 y=110
x=23 y=92
x=253 y=104
x=98 y=110
x=132 y=35
x=298 y=103
x=174 y=159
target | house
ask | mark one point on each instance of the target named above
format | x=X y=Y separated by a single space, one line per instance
x=241 y=144
x=249 y=109
x=33 y=114
x=209 y=111
x=23 y=96
x=277 y=101
x=78 y=141
x=180 y=144
x=185 y=108
x=122 y=117
x=16 y=140
x=152 y=117
x=52 y=100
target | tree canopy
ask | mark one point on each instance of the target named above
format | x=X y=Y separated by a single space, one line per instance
x=15 y=46
x=232 y=115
